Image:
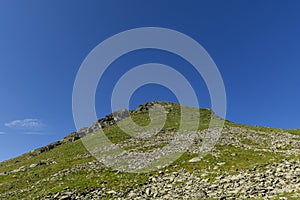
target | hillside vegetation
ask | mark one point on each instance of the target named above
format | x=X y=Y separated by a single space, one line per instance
x=248 y=162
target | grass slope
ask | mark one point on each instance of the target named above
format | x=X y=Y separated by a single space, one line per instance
x=69 y=166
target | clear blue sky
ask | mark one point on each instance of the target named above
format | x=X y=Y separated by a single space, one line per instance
x=255 y=44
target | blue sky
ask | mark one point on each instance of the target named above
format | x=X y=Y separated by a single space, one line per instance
x=255 y=44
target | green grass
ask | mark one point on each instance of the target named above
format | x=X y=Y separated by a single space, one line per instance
x=262 y=129
x=68 y=156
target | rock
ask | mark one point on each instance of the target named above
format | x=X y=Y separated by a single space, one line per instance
x=283 y=198
x=33 y=165
x=111 y=192
x=65 y=197
x=195 y=159
x=56 y=195
x=222 y=163
x=148 y=191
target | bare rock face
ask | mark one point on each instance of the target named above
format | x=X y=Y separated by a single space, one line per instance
x=146 y=107
x=113 y=118
x=108 y=120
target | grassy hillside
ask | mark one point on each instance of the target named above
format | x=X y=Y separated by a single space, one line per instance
x=247 y=163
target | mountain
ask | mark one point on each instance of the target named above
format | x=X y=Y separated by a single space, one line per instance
x=247 y=162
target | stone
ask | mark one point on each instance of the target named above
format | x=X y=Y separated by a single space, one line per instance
x=111 y=192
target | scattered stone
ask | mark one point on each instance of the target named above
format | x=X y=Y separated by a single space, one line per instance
x=263 y=181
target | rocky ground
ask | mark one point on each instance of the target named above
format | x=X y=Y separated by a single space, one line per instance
x=245 y=163
x=263 y=181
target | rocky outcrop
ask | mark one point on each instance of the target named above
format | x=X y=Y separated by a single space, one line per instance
x=105 y=122
x=108 y=120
